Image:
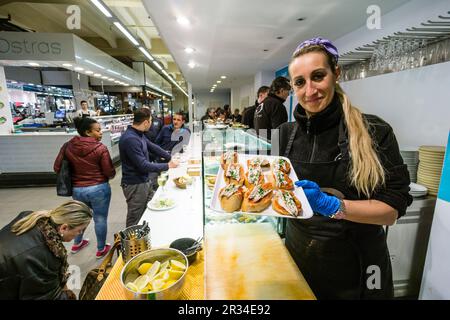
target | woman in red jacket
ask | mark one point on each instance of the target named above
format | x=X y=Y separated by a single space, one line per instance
x=92 y=168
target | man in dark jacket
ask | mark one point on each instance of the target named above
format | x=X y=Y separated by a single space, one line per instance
x=135 y=149
x=271 y=113
x=173 y=136
x=249 y=112
x=154 y=130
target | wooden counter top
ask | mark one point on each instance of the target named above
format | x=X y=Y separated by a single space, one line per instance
x=250 y=262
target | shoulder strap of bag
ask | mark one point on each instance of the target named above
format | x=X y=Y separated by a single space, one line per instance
x=291 y=140
x=107 y=261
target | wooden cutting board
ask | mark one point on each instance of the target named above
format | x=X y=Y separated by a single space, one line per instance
x=250 y=262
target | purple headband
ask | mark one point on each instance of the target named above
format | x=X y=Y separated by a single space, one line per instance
x=321 y=42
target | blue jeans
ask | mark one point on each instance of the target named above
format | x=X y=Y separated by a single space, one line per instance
x=97 y=198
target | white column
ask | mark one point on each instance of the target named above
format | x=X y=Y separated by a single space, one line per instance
x=191 y=109
x=6 y=120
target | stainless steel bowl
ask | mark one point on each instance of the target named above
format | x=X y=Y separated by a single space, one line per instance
x=130 y=273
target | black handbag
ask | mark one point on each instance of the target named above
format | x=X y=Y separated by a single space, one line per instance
x=64 y=177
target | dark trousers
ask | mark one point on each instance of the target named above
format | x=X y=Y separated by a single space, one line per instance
x=137 y=196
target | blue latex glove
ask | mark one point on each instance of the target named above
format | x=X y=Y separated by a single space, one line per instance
x=320 y=202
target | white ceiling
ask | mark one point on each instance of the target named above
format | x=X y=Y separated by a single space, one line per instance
x=229 y=36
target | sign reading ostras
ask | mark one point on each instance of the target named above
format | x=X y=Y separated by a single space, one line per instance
x=33 y=47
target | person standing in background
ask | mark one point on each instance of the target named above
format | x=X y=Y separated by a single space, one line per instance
x=236 y=117
x=249 y=112
x=227 y=110
x=271 y=113
x=174 y=134
x=84 y=111
x=135 y=152
x=92 y=168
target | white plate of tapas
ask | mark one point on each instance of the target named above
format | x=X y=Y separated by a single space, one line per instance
x=259 y=185
x=161 y=204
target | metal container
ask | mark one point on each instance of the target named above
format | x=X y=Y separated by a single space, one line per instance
x=134 y=240
x=130 y=273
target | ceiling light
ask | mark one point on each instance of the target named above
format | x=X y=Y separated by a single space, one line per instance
x=102 y=8
x=13 y=82
x=68 y=65
x=191 y=64
x=117 y=81
x=113 y=72
x=301 y=19
x=126 y=33
x=189 y=50
x=94 y=64
x=111 y=79
x=183 y=21
x=280 y=37
x=157 y=65
x=218 y=81
x=223 y=77
x=97 y=75
x=89 y=72
x=146 y=53
x=31 y=84
x=33 y=64
x=79 y=69
x=104 y=77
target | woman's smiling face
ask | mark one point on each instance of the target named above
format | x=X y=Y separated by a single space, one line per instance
x=313 y=81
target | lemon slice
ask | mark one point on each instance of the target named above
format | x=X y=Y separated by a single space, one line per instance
x=163 y=275
x=177 y=265
x=141 y=282
x=168 y=284
x=153 y=271
x=158 y=284
x=164 y=265
x=143 y=268
x=175 y=274
x=132 y=287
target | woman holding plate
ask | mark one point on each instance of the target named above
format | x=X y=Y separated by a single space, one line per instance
x=341 y=250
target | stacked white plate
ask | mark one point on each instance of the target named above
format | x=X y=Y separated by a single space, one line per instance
x=417 y=190
x=411 y=159
x=431 y=159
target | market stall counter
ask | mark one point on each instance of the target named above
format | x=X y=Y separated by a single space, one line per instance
x=241 y=258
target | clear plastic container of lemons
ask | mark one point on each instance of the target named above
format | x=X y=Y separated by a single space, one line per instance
x=157 y=274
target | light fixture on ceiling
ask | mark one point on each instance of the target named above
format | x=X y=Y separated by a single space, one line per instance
x=102 y=8
x=113 y=72
x=223 y=77
x=31 y=84
x=126 y=33
x=89 y=72
x=146 y=53
x=279 y=37
x=97 y=75
x=301 y=19
x=189 y=50
x=111 y=79
x=68 y=65
x=157 y=65
x=219 y=81
x=94 y=64
x=34 y=64
x=183 y=21
x=191 y=64
x=265 y=50
x=104 y=77
x=79 y=69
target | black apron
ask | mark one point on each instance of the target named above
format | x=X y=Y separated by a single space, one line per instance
x=336 y=257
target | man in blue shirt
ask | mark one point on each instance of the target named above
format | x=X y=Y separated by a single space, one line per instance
x=173 y=136
x=135 y=150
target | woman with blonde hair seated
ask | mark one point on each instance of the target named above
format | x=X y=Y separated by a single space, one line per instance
x=33 y=259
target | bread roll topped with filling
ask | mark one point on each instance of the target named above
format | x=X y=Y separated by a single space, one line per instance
x=228 y=158
x=234 y=174
x=258 y=198
x=282 y=180
x=231 y=197
x=254 y=176
x=281 y=164
x=285 y=202
x=258 y=161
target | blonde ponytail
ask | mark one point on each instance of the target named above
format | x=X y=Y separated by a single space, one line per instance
x=367 y=172
x=73 y=213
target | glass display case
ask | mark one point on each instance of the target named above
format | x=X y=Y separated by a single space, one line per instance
x=117 y=124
